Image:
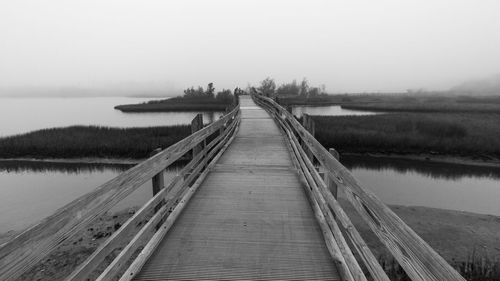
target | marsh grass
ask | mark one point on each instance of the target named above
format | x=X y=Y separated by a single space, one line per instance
x=91 y=142
x=477 y=267
x=458 y=134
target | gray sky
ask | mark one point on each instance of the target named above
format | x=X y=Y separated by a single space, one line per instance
x=349 y=45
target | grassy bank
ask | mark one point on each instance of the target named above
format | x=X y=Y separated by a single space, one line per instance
x=91 y=142
x=441 y=106
x=177 y=104
x=457 y=134
x=424 y=102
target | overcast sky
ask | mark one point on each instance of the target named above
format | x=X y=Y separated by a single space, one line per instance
x=350 y=45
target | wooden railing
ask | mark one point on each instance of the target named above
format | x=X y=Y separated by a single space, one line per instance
x=415 y=256
x=31 y=246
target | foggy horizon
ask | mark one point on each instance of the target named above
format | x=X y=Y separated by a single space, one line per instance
x=360 y=46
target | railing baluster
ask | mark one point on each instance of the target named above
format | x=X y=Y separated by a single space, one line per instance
x=332 y=186
x=196 y=125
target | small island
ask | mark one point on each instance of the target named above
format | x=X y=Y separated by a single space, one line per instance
x=193 y=100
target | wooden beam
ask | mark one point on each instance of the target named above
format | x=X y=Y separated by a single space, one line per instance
x=307 y=169
x=167 y=194
x=143 y=256
x=28 y=248
x=416 y=257
x=332 y=186
x=196 y=125
x=362 y=249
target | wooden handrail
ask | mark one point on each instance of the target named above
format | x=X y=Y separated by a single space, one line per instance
x=169 y=194
x=32 y=245
x=416 y=257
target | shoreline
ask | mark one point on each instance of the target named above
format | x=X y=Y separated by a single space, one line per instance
x=428 y=157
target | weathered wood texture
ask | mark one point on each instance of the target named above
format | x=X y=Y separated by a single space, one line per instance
x=322 y=198
x=249 y=219
x=169 y=196
x=28 y=248
x=418 y=259
x=153 y=243
x=196 y=125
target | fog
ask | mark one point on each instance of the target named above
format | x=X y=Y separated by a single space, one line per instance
x=350 y=46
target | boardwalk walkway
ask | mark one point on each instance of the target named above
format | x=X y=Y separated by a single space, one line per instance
x=249 y=220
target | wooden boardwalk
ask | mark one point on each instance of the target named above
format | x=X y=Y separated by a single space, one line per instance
x=250 y=219
x=250 y=205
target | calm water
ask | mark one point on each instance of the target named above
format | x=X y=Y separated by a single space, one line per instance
x=21 y=115
x=32 y=191
x=420 y=183
x=333 y=110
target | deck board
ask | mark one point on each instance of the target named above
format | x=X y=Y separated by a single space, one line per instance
x=250 y=219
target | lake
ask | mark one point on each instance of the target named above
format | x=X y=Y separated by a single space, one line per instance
x=32 y=191
x=21 y=115
x=430 y=184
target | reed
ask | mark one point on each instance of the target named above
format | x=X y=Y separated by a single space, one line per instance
x=91 y=142
x=456 y=134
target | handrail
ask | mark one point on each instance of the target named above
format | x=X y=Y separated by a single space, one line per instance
x=32 y=245
x=414 y=255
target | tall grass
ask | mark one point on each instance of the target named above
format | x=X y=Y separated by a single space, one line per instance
x=475 y=268
x=91 y=141
x=462 y=134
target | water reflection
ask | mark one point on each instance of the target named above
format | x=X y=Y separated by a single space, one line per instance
x=433 y=170
x=31 y=191
x=331 y=110
x=420 y=183
x=16 y=166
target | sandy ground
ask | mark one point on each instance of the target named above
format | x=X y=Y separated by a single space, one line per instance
x=453 y=234
x=70 y=254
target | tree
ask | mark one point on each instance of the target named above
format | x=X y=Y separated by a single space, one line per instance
x=192 y=93
x=290 y=89
x=267 y=87
x=210 y=90
x=225 y=95
x=304 y=88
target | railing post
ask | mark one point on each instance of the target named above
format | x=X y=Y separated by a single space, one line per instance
x=196 y=125
x=332 y=186
x=157 y=181
x=308 y=124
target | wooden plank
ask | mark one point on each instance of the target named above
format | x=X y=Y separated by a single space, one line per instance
x=332 y=186
x=32 y=245
x=320 y=187
x=169 y=195
x=249 y=220
x=418 y=259
x=137 y=264
x=196 y=125
x=328 y=235
x=307 y=168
